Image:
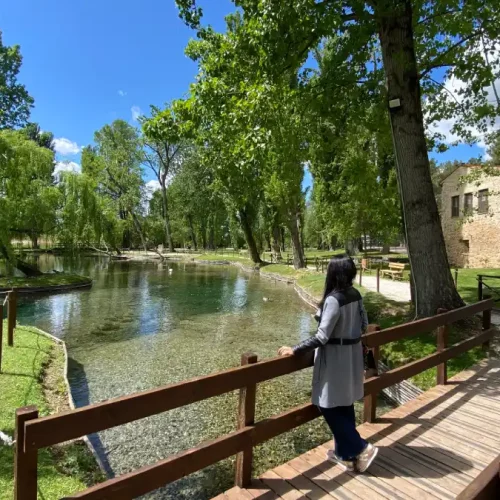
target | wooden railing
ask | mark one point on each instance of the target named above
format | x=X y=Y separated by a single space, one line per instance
x=33 y=433
x=8 y=299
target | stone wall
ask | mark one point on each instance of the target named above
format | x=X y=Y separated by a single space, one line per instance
x=471 y=240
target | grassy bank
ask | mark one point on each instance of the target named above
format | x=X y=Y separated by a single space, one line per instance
x=45 y=280
x=32 y=375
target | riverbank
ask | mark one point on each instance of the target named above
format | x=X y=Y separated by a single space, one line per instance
x=49 y=282
x=33 y=373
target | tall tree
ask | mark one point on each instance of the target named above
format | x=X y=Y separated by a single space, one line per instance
x=164 y=150
x=116 y=164
x=15 y=102
x=412 y=39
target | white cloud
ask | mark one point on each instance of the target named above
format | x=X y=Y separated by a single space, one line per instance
x=122 y=93
x=152 y=186
x=67 y=166
x=136 y=112
x=64 y=146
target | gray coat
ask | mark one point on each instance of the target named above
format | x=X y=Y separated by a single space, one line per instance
x=339 y=369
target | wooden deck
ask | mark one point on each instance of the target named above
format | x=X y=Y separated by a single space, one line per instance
x=432 y=447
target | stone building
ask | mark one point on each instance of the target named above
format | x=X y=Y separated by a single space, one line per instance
x=470 y=216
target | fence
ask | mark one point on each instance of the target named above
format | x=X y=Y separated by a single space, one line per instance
x=481 y=285
x=11 y=301
x=33 y=433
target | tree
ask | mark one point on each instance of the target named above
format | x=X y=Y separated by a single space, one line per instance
x=494 y=147
x=15 y=102
x=115 y=164
x=164 y=150
x=28 y=196
x=412 y=39
x=43 y=139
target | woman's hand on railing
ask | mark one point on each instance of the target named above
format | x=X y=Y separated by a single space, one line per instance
x=285 y=351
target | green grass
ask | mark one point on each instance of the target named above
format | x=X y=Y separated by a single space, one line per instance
x=51 y=279
x=62 y=471
x=467 y=282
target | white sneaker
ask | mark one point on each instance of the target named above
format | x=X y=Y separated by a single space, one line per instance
x=366 y=458
x=345 y=465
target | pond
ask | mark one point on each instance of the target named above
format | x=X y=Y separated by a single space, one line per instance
x=143 y=325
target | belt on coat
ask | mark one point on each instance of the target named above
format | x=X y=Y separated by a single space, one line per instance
x=341 y=341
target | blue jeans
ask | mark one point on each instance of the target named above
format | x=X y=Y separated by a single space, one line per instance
x=342 y=422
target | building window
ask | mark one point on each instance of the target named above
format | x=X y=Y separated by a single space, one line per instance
x=468 y=199
x=455 y=206
x=482 y=206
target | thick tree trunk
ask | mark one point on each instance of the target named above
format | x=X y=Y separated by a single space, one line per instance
x=246 y=226
x=166 y=218
x=351 y=246
x=283 y=240
x=430 y=268
x=386 y=249
x=203 y=230
x=298 y=253
x=138 y=228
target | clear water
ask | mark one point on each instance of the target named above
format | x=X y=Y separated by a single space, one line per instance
x=142 y=326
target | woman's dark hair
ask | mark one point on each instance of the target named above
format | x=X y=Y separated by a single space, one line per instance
x=340 y=275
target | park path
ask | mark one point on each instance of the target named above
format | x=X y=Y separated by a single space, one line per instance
x=392 y=289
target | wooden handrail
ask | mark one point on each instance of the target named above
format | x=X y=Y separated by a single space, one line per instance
x=425 y=325
x=34 y=433
x=47 y=431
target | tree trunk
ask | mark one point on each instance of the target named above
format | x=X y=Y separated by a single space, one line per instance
x=34 y=241
x=138 y=228
x=249 y=238
x=298 y=253
x=386 y=249
x=275 y=242
x=351 y=246
x=283 y=240
x=203 y=230
x=166 y=218
x=193 y=234
x=211 y=233
x=434 y=285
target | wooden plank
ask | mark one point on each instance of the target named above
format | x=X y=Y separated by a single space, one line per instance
x=73 y=424
x=238 y=493
x=370 y=401
x=302 y=483
x=442 y=341
x=25 y=461
x=11 y=317
x=376 y=384
x=425 y=325
x=246 y=417
x=486 y=486
x=259 y=490
x=281 y=487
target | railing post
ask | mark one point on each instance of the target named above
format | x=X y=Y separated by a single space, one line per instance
x=378 y=279
x=486 y=326
x=442 y=342
x=11 y=317
x=246 y=417
x=479 y=287
x=361 y=274
x=370 y=401
x=25 y=463
x=456 y=276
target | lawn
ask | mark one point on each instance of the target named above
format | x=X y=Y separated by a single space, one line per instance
x=467 y=283
x=45 y=280
x=23 y=367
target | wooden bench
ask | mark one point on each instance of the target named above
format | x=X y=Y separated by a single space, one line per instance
x=395 y=270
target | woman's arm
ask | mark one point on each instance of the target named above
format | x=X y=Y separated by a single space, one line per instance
x=329 y=318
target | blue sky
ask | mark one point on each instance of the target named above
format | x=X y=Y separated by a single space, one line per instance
x=88 y=62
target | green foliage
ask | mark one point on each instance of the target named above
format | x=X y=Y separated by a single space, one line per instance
x=28 y=196
x=15 y=102
x=43 y=139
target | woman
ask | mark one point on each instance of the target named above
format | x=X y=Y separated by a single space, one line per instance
x=338 y=363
